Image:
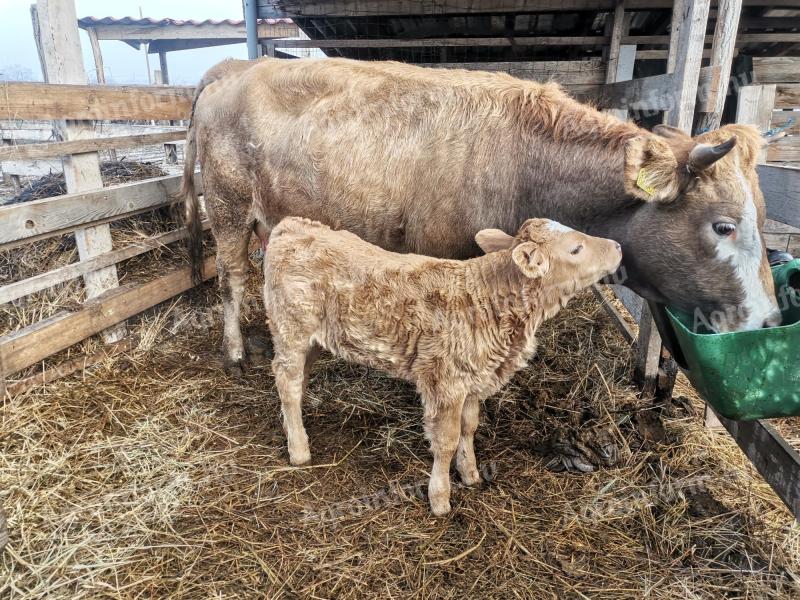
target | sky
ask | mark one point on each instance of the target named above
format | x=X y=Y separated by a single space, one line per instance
x=123 y=64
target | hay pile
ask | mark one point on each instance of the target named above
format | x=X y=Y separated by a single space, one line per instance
x=111 y=172
x=155 y=474
x=38 y=257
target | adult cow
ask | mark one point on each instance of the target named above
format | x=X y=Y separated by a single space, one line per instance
x=418 y=160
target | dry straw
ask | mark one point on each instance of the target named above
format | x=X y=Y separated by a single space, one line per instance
x=154 y=474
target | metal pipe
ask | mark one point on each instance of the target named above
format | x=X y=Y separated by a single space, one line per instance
x=251 y=24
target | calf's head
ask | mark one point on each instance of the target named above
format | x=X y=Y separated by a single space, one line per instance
x=694 y=239
x=558 y=256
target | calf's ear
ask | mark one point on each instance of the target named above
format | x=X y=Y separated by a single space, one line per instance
x=493 y=240
x=531 y=260
x=651 y=169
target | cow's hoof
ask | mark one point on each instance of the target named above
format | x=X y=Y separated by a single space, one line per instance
x=234 y=368
x=469 y=476
x=299 y=458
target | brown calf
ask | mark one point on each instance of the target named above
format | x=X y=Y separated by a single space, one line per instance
x=457 y=329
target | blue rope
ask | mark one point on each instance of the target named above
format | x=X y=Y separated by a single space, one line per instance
x=777 y=130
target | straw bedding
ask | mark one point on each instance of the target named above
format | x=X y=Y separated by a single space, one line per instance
x=155 y=474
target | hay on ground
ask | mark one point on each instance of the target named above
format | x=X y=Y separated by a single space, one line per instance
x=155 y=474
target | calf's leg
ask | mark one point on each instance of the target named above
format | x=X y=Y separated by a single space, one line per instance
x=442 y=428
x=465 y=456
x=290 y=377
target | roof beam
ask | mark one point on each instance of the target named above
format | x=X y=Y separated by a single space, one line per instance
x=377 y=8
x=192 y=32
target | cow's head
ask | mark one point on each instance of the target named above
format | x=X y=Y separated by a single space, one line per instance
x=695 y=241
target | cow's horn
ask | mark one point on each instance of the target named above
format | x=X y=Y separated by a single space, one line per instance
x=703 y=156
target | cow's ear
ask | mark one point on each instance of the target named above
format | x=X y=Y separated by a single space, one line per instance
x=531 y=260
x=651 y=169
x=493 y=240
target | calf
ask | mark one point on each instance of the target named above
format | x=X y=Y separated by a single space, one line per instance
x=457 y=329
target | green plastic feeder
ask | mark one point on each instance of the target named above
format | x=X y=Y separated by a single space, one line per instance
x=748 y=375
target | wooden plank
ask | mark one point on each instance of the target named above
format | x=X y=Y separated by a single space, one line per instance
x=63 y=64
x=25 y=100
x=656 y=92
x=776 y=461
x=52 y=216
x=99 y=69
x=367 y=8
x=624 y=72
x=595 y=40
x=630 y=300
x=590 y=40
x=722 y=52
x=616 y=318
x=566 y=72
x=226 y=31
x=788 y=95
x=776 y=69
x=31 y=151
x=781 y=189
x=690 y=41
x=664 y=54
x=20 y=289
x=678 y=15
x=29 y=168
x=755 y=108
x=619 y=28
x=27 y=347
x=785 y=150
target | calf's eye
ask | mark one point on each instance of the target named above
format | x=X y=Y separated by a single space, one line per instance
x=576 y=249
x=724 y=229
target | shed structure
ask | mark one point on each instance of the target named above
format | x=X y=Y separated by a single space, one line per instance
x=688 y=63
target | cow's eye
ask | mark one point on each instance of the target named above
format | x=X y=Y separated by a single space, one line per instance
x=724 y=229
x=577 y=249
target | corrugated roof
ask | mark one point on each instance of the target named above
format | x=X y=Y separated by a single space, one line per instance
x=95 y=21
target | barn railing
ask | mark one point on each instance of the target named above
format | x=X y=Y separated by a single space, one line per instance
x=90 y=210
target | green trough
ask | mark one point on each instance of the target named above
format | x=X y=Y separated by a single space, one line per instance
x=750 y=374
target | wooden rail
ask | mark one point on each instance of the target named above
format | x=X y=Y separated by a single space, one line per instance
x=32 y=344
x=39 y=219
x=34 y=151
x=22 y=100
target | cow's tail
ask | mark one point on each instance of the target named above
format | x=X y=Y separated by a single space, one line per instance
x=191 y=215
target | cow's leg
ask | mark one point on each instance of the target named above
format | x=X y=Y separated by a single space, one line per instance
x=465 y=456
x=443 y=429
x=232 y=265
x=289 y=368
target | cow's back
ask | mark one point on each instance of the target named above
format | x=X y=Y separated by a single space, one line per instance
x=411 y=159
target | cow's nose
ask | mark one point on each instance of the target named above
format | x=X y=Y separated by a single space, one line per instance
x=773 y=320
x=618 y=247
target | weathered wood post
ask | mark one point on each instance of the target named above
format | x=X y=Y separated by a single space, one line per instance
x=63 y=63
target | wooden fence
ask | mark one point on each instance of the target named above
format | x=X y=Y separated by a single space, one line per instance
x=88 y=210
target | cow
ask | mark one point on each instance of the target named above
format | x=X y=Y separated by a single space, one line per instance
x=458 y=330
x=417 y=160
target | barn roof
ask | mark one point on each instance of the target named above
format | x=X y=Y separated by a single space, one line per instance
x=566 y=28
x=165 y=35
x=95 y=21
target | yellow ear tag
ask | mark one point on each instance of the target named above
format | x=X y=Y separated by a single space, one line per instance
x=641 y=183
